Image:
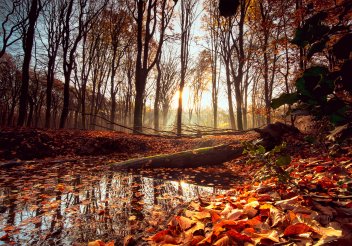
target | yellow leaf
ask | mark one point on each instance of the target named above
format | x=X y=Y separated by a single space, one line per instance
x=132 y=217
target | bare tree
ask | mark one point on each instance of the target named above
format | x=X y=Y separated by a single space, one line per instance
x=187 y=18
x=77 y=20
x=145 y=13
x=53 y=30
x=226 y=49
x=27 y=44
x=212 y=24
x=168 y=82
x=11 y=23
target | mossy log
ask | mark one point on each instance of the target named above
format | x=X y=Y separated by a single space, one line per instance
x=186 y=159
x=271 y=135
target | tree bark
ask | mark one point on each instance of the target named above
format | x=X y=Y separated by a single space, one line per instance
x=157 y=96
x=27 y=46
x=186 y=159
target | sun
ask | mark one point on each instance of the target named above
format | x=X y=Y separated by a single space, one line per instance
x=186 y=95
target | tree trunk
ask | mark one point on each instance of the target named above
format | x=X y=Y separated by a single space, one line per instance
x=66 y=104
x=271 y=135
x=186 y=159
x=138 y=103
x=27 y=46
x=229 y=97
x=157 y=97
x=49 y=89
x=30 y=114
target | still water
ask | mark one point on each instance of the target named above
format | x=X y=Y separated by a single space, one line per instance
x=74 y=203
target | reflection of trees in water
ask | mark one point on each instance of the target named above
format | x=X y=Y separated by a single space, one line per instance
x=56 y=225
x=87 y=206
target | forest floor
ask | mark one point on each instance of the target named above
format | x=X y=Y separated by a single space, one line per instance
x=29 y=144
x=317 y=210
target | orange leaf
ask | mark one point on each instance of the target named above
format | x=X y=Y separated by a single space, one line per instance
x=214 y=216
x=96 y=243
x=184 y=222
x=60 y=187
x=9 y=228
x=220 y=227
x=202 y=215
x=224 y=241
x=238 y=236
x=160 y=236
x=298 y=228
x=248 y=231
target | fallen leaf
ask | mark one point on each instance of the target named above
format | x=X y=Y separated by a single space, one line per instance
x=132 y=218
x=96 y=243
x=9 y=228
x=238 y=236
x=296 y=229
x=184 y=222
x=4 y=237
x=196 y=239
x=271 y=235
x=201 y=215
x=235 y=214
x=160 y=236
x=224 y=241
x=128 y=241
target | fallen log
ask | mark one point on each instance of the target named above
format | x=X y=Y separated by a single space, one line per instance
x=271 y=135
x=186 y=159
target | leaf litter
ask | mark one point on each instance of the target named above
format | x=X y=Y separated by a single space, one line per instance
x=42 y=201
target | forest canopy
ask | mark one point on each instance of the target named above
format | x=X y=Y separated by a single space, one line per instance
x=171 y=65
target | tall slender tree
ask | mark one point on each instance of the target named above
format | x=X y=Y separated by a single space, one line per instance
x=27 y=44
x=83 y=12
x=148 y=14
x=187 y=18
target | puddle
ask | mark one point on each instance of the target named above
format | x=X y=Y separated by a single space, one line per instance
x=74 y=203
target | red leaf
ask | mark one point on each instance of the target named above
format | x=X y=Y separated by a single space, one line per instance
x=298 y=228
x=318 y=169
x=5 y=237
x=238 y=236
